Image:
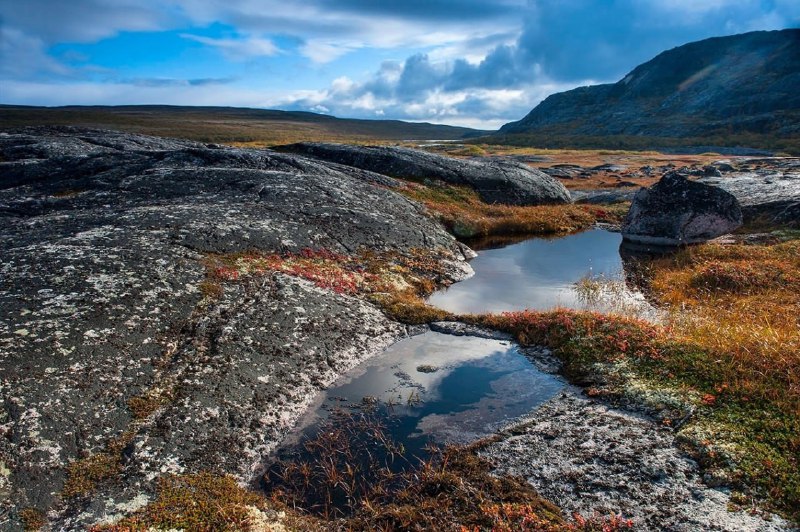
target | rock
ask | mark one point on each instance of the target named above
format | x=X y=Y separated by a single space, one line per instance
x=609 y=168
x=101 y=296
x=723 y=166
x=588 y=457
x=769 y=194
x=712 y=171
x=677 y=211
x=563 y=171
x=496 y=180
x=602 y=196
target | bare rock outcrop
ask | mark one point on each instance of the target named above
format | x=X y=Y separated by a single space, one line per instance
x=102 y=310
x=495 y=180
x=676 y=211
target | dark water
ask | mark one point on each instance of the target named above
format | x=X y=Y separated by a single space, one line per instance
x=477 y=385
x=535 y=274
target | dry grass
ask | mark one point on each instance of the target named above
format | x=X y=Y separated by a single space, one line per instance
x=207 y=502
x=355 y=476
x=742 y=302
x=462 y=211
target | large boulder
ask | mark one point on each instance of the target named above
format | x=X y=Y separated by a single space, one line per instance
x=677 y=211
x=495 y=180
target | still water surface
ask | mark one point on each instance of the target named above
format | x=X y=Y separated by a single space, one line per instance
x=536 y=274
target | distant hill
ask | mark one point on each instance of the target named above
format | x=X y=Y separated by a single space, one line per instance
x=229 y=124
x=743 y=89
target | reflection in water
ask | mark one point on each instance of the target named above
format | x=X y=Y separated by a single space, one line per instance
x=535 y=274
x=443 y=388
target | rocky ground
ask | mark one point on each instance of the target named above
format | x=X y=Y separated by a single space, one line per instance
x=768 y=189
x=586 y=456
x=112 y=357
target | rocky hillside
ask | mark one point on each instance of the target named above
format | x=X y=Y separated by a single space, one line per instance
x=737 y=85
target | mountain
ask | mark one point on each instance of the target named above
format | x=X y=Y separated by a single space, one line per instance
x=229 y=124
x=742 y=86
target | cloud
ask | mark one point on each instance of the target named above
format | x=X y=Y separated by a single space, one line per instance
x=23 y=56
x=563 y=44
x=84 y=20
x=476 y=62
x=238 y=49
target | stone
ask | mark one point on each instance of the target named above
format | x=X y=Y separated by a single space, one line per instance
x=676 y=211
x=101 y=296
x=495 y=180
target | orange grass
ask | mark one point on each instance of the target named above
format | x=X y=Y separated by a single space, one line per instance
x=743 y=302
x=462 y=211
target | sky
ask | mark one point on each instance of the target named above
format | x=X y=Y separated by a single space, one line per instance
x=476 y=63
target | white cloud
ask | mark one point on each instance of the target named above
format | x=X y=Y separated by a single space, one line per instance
x=22 y=56
x=324 y=52
x=238 y=49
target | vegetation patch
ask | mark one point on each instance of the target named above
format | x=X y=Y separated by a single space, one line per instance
x=464 y=214
x=143 y=406
x=206 y=502
x=396 y=282
x=32 y=519
x=356 y=477
x=739 y=381
x=84 y=475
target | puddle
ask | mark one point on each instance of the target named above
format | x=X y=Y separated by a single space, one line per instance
x=541 y=274
x=438 y=388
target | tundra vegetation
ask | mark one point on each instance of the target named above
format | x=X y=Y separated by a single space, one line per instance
x=728 y=350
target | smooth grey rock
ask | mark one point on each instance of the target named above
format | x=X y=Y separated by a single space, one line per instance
x=677 y=211
x=770 y=192
x=495 y=179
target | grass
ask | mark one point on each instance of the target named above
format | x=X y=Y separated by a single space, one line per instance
x=238 y=126
x=465 y=215
x=562 y=138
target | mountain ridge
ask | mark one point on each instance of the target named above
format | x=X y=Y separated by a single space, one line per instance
x=742 y=84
